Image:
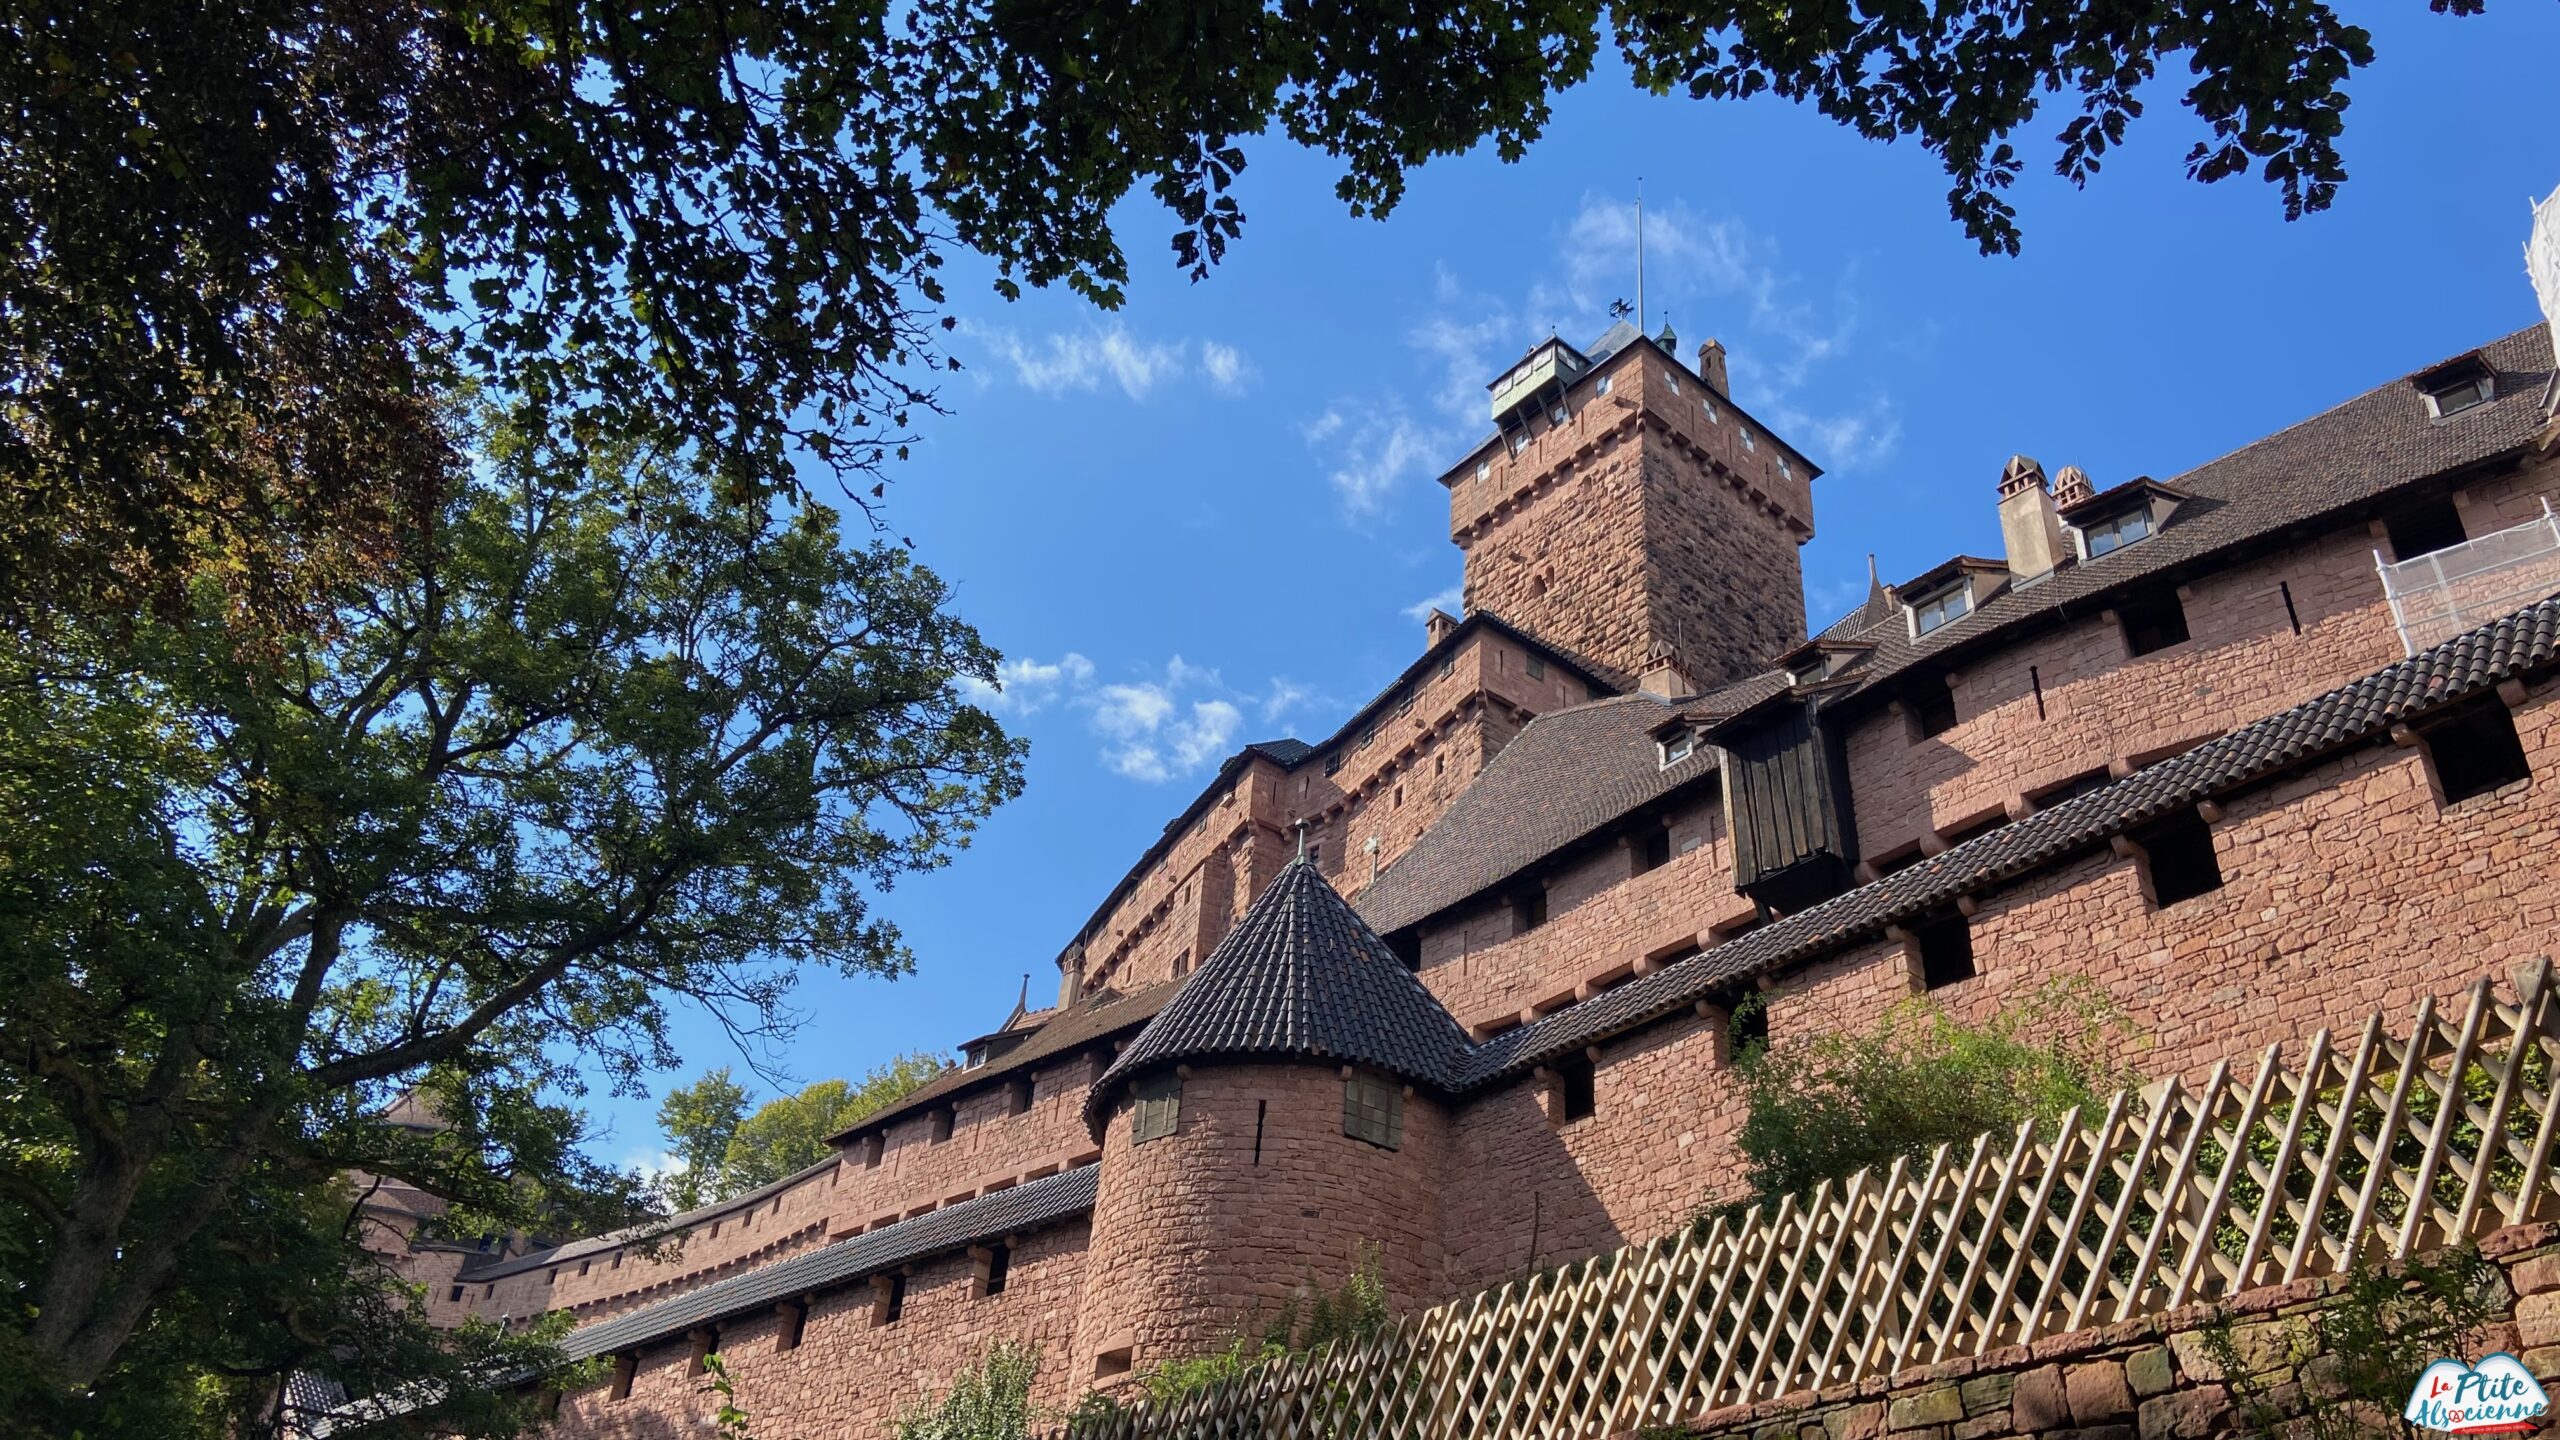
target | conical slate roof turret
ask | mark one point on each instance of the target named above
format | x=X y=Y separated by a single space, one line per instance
x=1302 y=976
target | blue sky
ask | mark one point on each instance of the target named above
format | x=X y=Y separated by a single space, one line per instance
x=1210 y=517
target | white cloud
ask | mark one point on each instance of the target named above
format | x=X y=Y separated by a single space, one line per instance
x=1367 y=459
x=1448 y=602
x=1152 y=727
x=1025 y=686
x=1709 y=275
x=1085 y=361
x=1225 y=366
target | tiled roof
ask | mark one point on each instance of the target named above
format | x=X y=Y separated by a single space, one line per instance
x=2360 y=712
x=1567 y=774
x=1290 y=754
x=2349 y=460
x=1023 y=1207
x=1085 y=1023
x=493 y=1266
x=1299 y=975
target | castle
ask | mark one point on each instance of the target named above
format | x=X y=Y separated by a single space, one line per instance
x=1457 y=981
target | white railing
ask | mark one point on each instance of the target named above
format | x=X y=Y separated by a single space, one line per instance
x=2438 y=595
x=2375 y=1146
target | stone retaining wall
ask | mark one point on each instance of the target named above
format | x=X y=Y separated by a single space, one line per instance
x=2143 y=1379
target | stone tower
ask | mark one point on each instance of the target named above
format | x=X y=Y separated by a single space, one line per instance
x=1627 y=512
x=1281 y=1115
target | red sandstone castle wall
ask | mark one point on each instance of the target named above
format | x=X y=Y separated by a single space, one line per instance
x=1604 y=922
x=2242 y=662
x=1196 y=1238
x=2347 y=889
x=849 y=1377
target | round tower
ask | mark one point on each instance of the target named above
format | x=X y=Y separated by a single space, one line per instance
x=1279 y=1118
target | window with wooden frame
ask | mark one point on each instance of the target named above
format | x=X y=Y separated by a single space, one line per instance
x=1158 y=1111
x=1373 y=1109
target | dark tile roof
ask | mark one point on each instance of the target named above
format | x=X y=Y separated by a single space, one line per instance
x=1566 y=775
x=1088 y=1022
x=492 y=1267
x=2357 y=713
x=1285 y=752
x=2348 y=461
x=1290 y=754
x=1024 y=1207
x=1299 y=975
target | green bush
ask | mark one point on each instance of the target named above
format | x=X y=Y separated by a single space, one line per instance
x=1353 y=1311
x=990 y=1400
x=1920 y=1078
x=2344 y=1372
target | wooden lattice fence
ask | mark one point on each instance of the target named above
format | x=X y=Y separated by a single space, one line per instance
x=2380 y=1147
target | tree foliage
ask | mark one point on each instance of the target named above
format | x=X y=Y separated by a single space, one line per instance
x=252 y=236
x=727 y=1151
x=598 y=737
x=990 y=1400
x=1917 y=1079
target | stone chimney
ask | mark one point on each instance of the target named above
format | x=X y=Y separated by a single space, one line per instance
x=2029 y=529
x=1436 y=627
x=1665 y=678
x=2071 y=486
x=1711 y=367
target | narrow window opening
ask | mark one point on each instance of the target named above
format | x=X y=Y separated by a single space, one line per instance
x=1945 y=943
x=2423 y=529
x=2153 y=622
x=1537 y=667
x=993 y=1269
x=888 y=1298
x=1111 y=1364
x=1261 y=1115
x=1750 y=1025
x=939 y=1124
x=1933 y=706
x=625 y=1366
x=2035 y=682
x=1408 y=947
x=1655 y=851
x=2292 y=617
x=2474 y=750
x=1018 y=1094
x=1528 y=910
x=1373 y=1109
x=795 y=1320
x=1578 y=1087
x=456 y=1296
x=705 y=1343
x=873 y=1148
x=2178 y=859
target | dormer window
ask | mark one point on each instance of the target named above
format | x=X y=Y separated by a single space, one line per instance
x=1677 y=748
x=2115 y=532
x=2463 y=383
x=1953 y=603
x=2459 y=395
